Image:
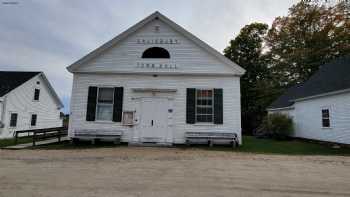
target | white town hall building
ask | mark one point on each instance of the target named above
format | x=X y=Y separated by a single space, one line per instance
x=153 y=83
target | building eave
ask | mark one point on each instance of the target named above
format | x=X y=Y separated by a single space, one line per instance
x=156 y=15
x=280 y=108
x=322 y=95
x=157 y=73
x=52 y=90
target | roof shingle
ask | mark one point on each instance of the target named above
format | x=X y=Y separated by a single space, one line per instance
x=10 y=80
x=333 y=76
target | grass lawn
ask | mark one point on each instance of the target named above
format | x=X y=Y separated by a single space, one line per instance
x=250 y=145
x=292 y=147
x=11 y=141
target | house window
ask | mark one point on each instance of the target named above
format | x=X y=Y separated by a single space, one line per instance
x=13 y=119
x=156 y=52
x=104 y=105
x=33 y=120
x=204 y=106
x=36 y=94
x=326 y=118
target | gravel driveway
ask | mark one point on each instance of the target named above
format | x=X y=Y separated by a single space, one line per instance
x=141 y=171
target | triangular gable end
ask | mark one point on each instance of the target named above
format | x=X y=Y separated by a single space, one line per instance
x=52 y=91
x=156 y=16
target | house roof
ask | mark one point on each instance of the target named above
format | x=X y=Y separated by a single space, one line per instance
x=155 y=15
x=10 y=80
x=332 y=77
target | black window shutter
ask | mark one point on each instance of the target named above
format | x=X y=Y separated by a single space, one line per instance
x=118 y=104
x=91 y=104
x=191 y=106
x=218 y=106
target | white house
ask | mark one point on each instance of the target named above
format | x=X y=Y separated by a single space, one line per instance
x=153 y=83
x=320 y=107
x=27 y=101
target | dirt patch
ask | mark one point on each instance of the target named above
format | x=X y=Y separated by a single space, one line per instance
x=141 y=171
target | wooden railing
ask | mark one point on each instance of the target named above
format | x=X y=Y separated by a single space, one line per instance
x=42 y=134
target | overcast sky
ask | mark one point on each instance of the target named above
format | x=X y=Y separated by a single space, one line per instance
x=49 y=35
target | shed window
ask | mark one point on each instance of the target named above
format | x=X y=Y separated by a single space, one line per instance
x=105 y=104
x=13 y=119
x=156 y=52
x=325 y=118
x=204 y=106
x=33 y=120
x=36 y=94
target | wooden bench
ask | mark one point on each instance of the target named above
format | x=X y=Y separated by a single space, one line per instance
x=211 y=138
x=93 y=135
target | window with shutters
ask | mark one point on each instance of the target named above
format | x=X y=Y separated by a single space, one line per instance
x=33 y=120
x=326 y=123
x=104 y=104
x=36 y=94
x=13 y=119
x=204 y=105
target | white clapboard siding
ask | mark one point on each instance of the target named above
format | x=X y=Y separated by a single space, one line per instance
x=231 y=97
x=21 y=101
x=188 y=56
x=307 y=118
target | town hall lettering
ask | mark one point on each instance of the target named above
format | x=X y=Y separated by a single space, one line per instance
x=158 y=41
x=156 y=65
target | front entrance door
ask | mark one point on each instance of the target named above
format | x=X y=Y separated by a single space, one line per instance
x=154 y=120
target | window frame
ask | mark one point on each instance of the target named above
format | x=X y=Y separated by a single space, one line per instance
x=10 y=124
x=212 y=106
x=31 y=120
x=97 y=104
x=326 y=118
x=34 y=98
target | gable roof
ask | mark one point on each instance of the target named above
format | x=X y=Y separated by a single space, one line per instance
x=156 y=15
x=331 y=77
x=10 y=80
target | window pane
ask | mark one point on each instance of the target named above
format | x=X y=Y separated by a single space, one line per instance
x=204 y=110
x=204 y=107
x=13 y=120
x=104 y=112
x=36 y=94
x=326 y=123
x=200 y=102
x=325 y=113
x=204 y=93
x=105 y=95
x=33 y=120
x=204 y=118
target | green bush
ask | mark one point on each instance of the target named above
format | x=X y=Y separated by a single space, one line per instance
x=279 y=126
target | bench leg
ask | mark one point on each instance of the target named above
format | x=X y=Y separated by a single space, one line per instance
x=234 y=144
x=188 y=143
x=93 y=141
x=75 y=141
x=116 y=141
x=211 y=143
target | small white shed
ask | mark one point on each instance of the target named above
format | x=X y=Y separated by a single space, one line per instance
x=153 y=83
x=320 y=107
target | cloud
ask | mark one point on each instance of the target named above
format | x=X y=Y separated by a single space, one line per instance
x=50 y=35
